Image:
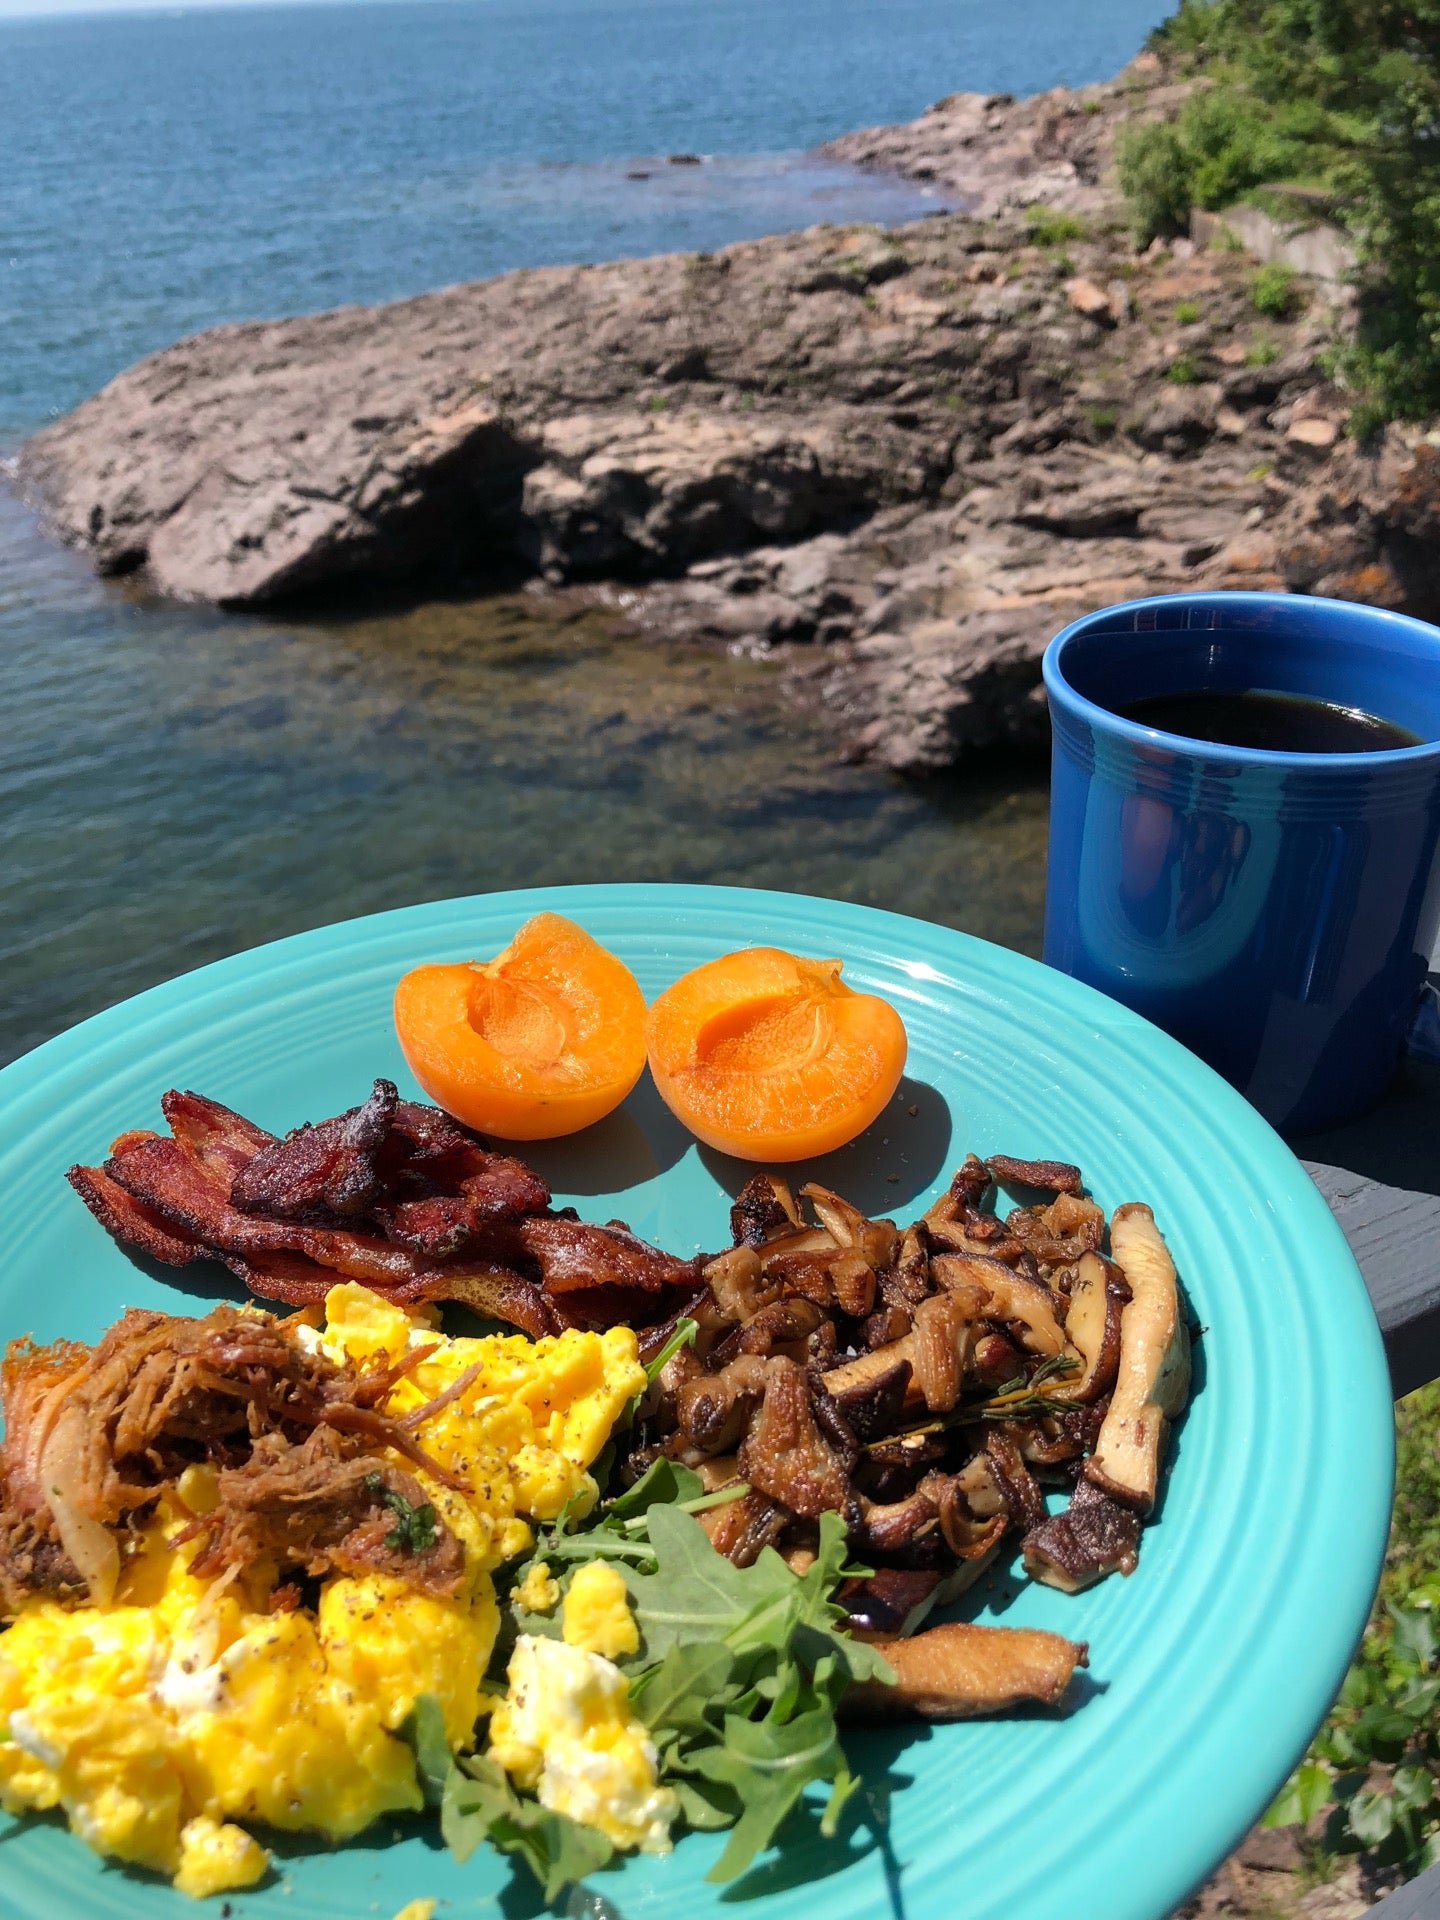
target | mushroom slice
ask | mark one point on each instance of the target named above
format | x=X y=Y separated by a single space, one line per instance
x=891 y=1601
x=1056 y=1175
x=735 y=1280
x=861 y=1374
x=781 y=1325
x=1028 y=1304
x=890 y=1526
x=763 y=1207
x=1099 y=1294
x=875 y=1240
x=939 y=1347
x=875 y=1405
x=713 y=1412
x=1094 y=1536
x=812 y=1240
x=1023 y=1499
x=853 y=1280
x=743 y=1528
x=1153 y=1381
x=786 y=1455
x=958 y=1672
x=996 y=1360
x=887 y=1324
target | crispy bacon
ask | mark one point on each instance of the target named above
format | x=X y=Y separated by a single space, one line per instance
x=394 y=1194
x=572 y=1254
x=131 y=1221
x=320 y=1170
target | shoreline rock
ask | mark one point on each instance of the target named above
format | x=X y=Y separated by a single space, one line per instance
x=899 y=458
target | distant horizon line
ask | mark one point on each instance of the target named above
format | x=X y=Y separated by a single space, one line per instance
x=81 y=10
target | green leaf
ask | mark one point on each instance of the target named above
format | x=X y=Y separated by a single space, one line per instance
x=683 y=1336
x=414 y=1529
x=680 y=1691
x=705 y=1804
x=1413 y=1639
x=694 y=1592
x=480 y=1804
x=1414 y=1788
x=664 y=1482
x=1381 y=1726
x=1372 y=1816
x=769 y=1764
x=424 y=1729
x=1301 y=1798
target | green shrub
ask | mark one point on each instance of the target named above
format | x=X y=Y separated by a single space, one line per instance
x=1102 y=418
x=1273 y=291
x=1375 y=1764
x=1049 y=227
x=1186 y=313
x=1154 y=177
x=1183 y=371
x=1343 y=94
x=1263 y=353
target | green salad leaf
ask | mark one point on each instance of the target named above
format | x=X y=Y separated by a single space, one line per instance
x=480 y=1804
x=738 y=1679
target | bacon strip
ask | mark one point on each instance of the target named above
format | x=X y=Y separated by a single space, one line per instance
x=394 y=1194
x=131 y=1221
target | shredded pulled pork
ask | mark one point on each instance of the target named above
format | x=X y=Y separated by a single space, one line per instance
x=94 y=1435
x=391 y=1193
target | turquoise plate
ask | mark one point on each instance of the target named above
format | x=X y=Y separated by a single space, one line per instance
x=1209 y=1668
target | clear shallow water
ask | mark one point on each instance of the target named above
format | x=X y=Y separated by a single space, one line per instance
x=175 y=785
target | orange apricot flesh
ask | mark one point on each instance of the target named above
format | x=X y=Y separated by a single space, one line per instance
x=544 y=1039
x=768 y=1056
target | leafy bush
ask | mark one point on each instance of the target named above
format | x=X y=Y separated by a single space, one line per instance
x=1154 y=177
x=1049 y=227
x=1376 y=1762
x=1273 y=291
x=1343 y=94
x=1186 y=313
x=1183 y=371
x=1264 y=353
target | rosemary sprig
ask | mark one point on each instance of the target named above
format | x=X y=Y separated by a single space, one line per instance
x=1014 y=1400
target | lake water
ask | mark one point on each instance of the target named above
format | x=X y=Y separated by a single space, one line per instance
x=175 y=785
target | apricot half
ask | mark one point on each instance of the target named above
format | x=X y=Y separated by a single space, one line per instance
x=542 y=1040
x=771 y=1057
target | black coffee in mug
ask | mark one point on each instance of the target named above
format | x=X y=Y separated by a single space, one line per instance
x=1269 y=722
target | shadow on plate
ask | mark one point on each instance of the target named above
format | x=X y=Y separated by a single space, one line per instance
x=888 y=1167
x=638 y=1142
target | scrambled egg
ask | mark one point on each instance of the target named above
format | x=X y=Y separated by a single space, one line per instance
x=162 y=1720
x=597 y=1615
x=565 y=1731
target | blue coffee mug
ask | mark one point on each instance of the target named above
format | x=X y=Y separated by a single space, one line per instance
x=1274 y=911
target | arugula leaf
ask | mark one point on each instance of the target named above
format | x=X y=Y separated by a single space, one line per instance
x=693 y=1593
x=480 y=1804
x=768 y=1764
x=664 y=1483
x=424 y=1729
x=683 y=1336
x=678 y=1693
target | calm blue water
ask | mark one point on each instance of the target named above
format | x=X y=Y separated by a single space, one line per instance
x=175 y=785
x=160 y=173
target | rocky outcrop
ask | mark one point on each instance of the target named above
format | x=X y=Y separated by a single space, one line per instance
x=998 y=153
x=901 y=459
